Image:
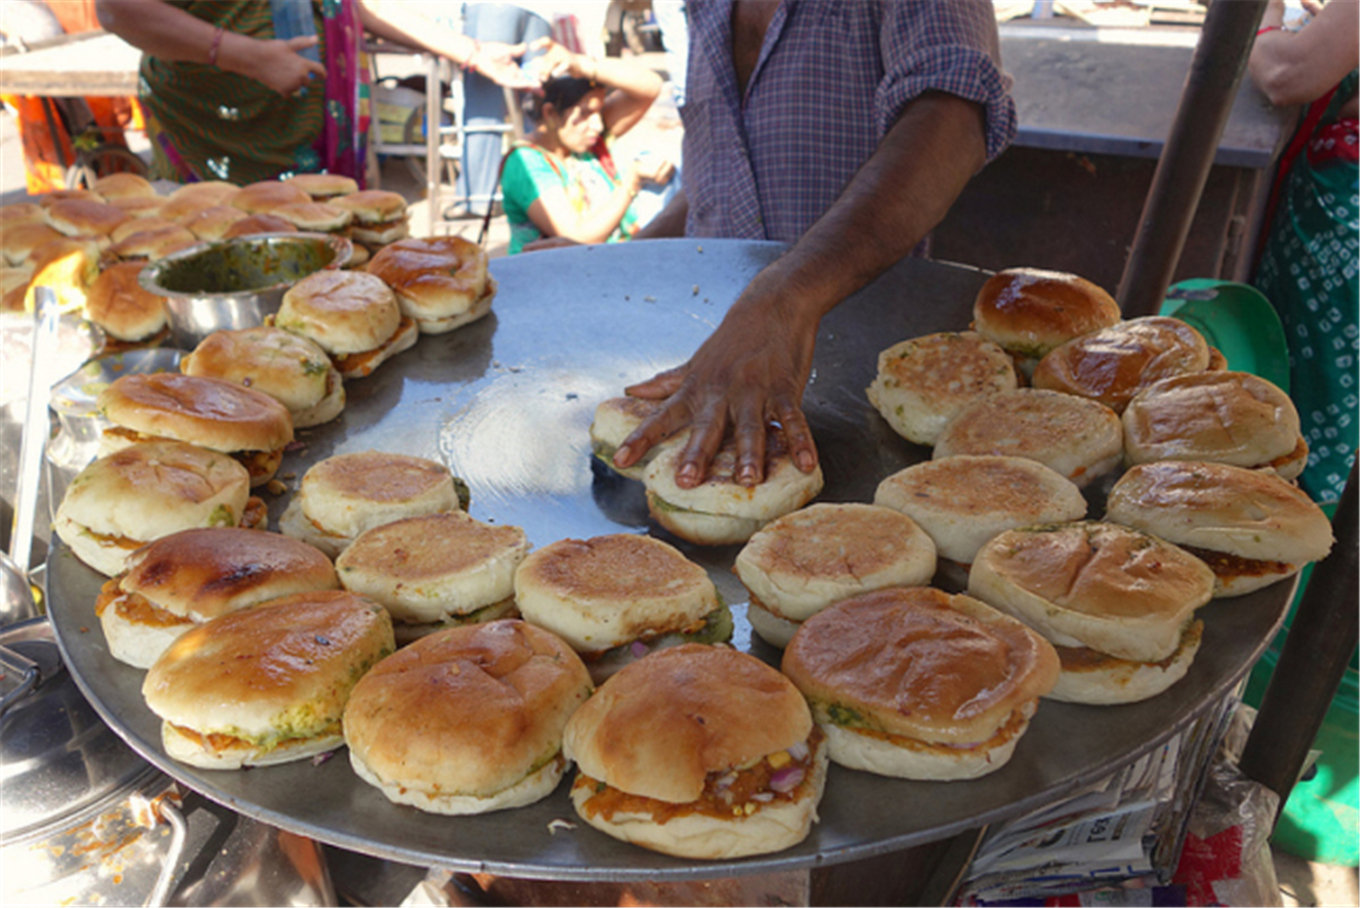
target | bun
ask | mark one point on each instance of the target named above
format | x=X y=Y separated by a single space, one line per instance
x=118 y=303
x=468 y=720
x=255 y=224
x=1080 y=439
x=84 y=217
x=440 y=281
x=799 y=564
x=266 y=684
x=21 y=240
x=1092 y=677
x=344 y=312
x=1226 y=417
x=265 y=196
x=1250 y=526
x=923 y=383
x=315 y=216
x=136 y=225
x=213 y=222
x=152 y=244
x=615 y=419
x=124 y=186
x=859 y=664
x=963 y=501
x=288 y=367
x=1030 y=312
x=321 y=186
x=191 y=198
x=373 y=207
x=1113 y=364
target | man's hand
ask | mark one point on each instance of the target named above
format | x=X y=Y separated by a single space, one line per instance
x=279 y=64
x=499 y=62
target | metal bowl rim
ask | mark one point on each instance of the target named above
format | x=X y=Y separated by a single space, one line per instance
x=343 y=246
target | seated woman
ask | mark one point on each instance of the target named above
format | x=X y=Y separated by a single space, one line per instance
x=562 y=182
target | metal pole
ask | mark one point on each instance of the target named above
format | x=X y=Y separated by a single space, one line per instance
x=1314 y=659
x=1210 y=87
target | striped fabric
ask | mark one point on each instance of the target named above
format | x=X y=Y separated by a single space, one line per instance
x=833 y=76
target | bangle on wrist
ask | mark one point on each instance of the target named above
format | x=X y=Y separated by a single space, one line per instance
x=215 y=46
x=471 y=62
x=1269 y=28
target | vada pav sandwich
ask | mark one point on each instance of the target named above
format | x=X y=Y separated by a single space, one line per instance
x=83 y=217
x=615 y=598
x=440 y=281
x=342 y=496
x=1225 y=417
x=124 y=186
x=721 y=510
x=266 y=684
x=288 y=367
x=615 y=419
x=187 y=578
x=1113 y=364
x=963 y=501
x=468 y=720
x=1080 y=439
x=924 y=382
x=315 y=217
x=351 y=315
x=150 y=245
x=126 y=499
x=797 y=565
x=1030 y=312
x=126 y=311
x=246 y=424
x=698 y=752
x=920 y=684
x=266 y=195
x=323 y=186
x=1250 y=527
x=436 y=571
x=380 y=217
x=191 y=198
x=254 y=224
x=212 y=223
x=1118 y=604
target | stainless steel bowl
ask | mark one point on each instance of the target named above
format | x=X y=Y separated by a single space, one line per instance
x=236 y=283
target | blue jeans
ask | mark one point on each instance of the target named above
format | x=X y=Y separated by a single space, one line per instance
x=484 y=100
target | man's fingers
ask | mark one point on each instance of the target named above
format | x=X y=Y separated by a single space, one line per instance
x=750 y=438
x=654 y=430
x=705 y=438
x=659 y=386
x=797 y=435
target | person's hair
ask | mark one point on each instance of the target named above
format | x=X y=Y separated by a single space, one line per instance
x=563 y=93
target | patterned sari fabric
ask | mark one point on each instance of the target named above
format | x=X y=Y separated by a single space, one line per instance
x=207 y=124
x=1309 y=270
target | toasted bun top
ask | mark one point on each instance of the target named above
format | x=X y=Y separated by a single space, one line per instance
x=660 y=725
x=1222 y=508
x=253 y=224
x=468 y=711
x=205 y=411
x=430 y=547
x=134 y=226
x=323 y=185
x=288 y=367
x=1113 y=364
x=119 y=304
x=285 y=667
x=618 y=567
x=124 y=186
x=373 y=206
x=48 y=199
x=1094 y=584
x=947 y=370
x=922 y=663
x=212 y=222
x=152 y=488
x=263 y=197
x=343 y=311
x=153 y=243
x=1229 y=417
x=350 y=493
x=314 y=216
x=204 y=573
x=83 y=217
x=140 y=207
x=1029 y=311
x=21 y=239
x=436 y=273
x=17 y=213
x=190 y=199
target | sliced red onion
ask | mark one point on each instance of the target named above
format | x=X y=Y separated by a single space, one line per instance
x=762 y=797
x=322 y=758
x=787 y=779
x=799 y=751
x=726 y=781
x=638 y=649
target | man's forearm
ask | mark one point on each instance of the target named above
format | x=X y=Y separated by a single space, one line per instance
x=157 y=29
x=669 y=221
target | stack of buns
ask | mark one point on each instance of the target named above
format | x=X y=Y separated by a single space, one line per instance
x=351 y=315
x=440 y=281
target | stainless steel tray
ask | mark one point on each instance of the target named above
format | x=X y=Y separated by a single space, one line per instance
x=506 y=403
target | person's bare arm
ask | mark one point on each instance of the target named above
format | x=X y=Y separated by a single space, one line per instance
x=170 y=33
x=633 y=87
x=1300 y=67
x=405 y=23
x=754 y=367
x=554 y=215
x=669 y=221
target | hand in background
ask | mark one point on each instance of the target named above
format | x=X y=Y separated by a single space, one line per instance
x=280 y=65
x=499 y=62
x=654 y=169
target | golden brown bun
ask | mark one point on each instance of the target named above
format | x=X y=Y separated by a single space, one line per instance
x=924 y=382
x=282 y=669
x=152 y=244
x=659 y=726
x=288 y=367
x=1029 y=311
x=1094 y=584
x=614 y=420
x=253 y=224
x=21 y=240
x=18 y=213
x=204 y=411
x=138 y=207
x=434 y=567
x=963 y=501
x=204 y=573
x=345 y=312
x=465 y=713
x=48 y=199
x=322 y=186
x=212 y=223
x=315 y=216
x=1114 y=364
x=134 y=226
x=263 y=197
x=194 y=197
x=1089 y=676
x=69 y=266
x=1078 y=438
x=373 y=206
x=1249 y=514
x=13 y=288
x=434 y=277
x=861 y=665
x=350 y=493
x=801 y=563
x=124 y=186
x=121 y=306
x=602 y=592
x=82 y=217
x=1226 y=417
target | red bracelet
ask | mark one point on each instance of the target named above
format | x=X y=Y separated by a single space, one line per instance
x=469 y=63
x=1269 y=28
x=215 y=46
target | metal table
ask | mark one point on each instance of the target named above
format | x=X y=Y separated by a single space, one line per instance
x=506 y=403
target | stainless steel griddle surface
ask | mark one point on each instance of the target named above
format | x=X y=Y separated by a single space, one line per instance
x=507 y=403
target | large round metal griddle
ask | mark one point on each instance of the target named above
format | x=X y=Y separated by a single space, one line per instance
x=506 y=403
